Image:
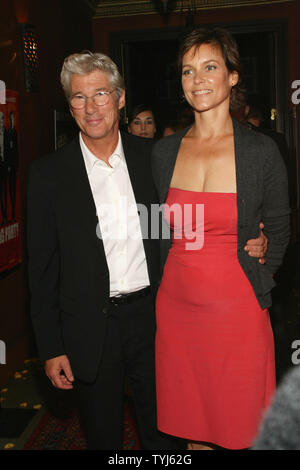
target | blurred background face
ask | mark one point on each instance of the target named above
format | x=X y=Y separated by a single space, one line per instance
x=143 y=125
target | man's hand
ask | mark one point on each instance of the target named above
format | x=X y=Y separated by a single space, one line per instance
x=58 y=370
x=257 y=247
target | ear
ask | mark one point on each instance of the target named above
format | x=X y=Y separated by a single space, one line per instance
x=234 y=78
x=122 y=100
x=71 y=112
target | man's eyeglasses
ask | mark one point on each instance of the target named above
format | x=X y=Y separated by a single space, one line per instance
x=99 y=99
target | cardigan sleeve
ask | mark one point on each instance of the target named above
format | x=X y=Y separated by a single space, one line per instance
x=275 y=210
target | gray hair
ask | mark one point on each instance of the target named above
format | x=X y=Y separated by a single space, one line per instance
x=86 y=62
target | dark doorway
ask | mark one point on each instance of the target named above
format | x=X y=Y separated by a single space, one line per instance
x=257 y=52
x=148 y=62
x=151 y=77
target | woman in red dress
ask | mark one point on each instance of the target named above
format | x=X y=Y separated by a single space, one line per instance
x=218 y=179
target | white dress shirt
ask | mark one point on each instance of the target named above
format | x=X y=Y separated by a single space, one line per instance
x=118 y=220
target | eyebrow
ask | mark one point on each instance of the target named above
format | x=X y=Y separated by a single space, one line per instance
x=142 y=119
x=204 y=62
x=97 y=89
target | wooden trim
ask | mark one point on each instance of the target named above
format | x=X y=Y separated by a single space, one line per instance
x=109 y=9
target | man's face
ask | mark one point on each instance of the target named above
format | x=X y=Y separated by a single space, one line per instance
x=95 y=122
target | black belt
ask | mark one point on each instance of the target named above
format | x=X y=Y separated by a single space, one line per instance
x=128 y=298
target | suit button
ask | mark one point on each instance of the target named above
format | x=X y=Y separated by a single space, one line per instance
x=105 y=311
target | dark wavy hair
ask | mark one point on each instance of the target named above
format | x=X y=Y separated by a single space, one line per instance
x=137 y=109
x=229 y=49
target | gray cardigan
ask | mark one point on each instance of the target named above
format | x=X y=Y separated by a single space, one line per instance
x=262 y=196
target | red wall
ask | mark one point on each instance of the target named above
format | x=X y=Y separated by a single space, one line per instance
x=62 y=27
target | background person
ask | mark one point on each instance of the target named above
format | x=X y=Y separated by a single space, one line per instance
x=279 y=429
x=185 y=118
x=141 y=121
x=255 y=120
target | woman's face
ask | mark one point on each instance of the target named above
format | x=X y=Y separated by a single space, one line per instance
x=143 y=125
x=206 y=81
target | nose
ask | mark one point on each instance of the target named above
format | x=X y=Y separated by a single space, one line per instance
x=199 y=76
x=90 y=106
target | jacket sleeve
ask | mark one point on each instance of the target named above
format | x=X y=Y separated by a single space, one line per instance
x=155 y=166
x=275 y=211
x=159 y=169
x=43 y=265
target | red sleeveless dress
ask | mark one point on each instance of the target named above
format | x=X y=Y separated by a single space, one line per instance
x=215 y=364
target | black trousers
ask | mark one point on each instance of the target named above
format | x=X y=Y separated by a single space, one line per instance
x=128 y=351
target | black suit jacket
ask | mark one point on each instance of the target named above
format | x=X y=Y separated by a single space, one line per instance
x=68 y=272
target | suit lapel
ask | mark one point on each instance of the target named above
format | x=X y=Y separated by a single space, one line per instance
x=82 y=205
x=135 y=168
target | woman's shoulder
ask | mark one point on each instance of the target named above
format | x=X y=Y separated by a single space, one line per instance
x=256 y=144
x=252 y=136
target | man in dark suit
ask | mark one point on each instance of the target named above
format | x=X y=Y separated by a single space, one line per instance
x=93 y=271
x=92 y=283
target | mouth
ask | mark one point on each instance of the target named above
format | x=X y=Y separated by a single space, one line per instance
x=201 y=92
x=93 y=122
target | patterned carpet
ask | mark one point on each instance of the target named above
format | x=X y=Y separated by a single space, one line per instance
x=54 y=433
x=36 y=416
